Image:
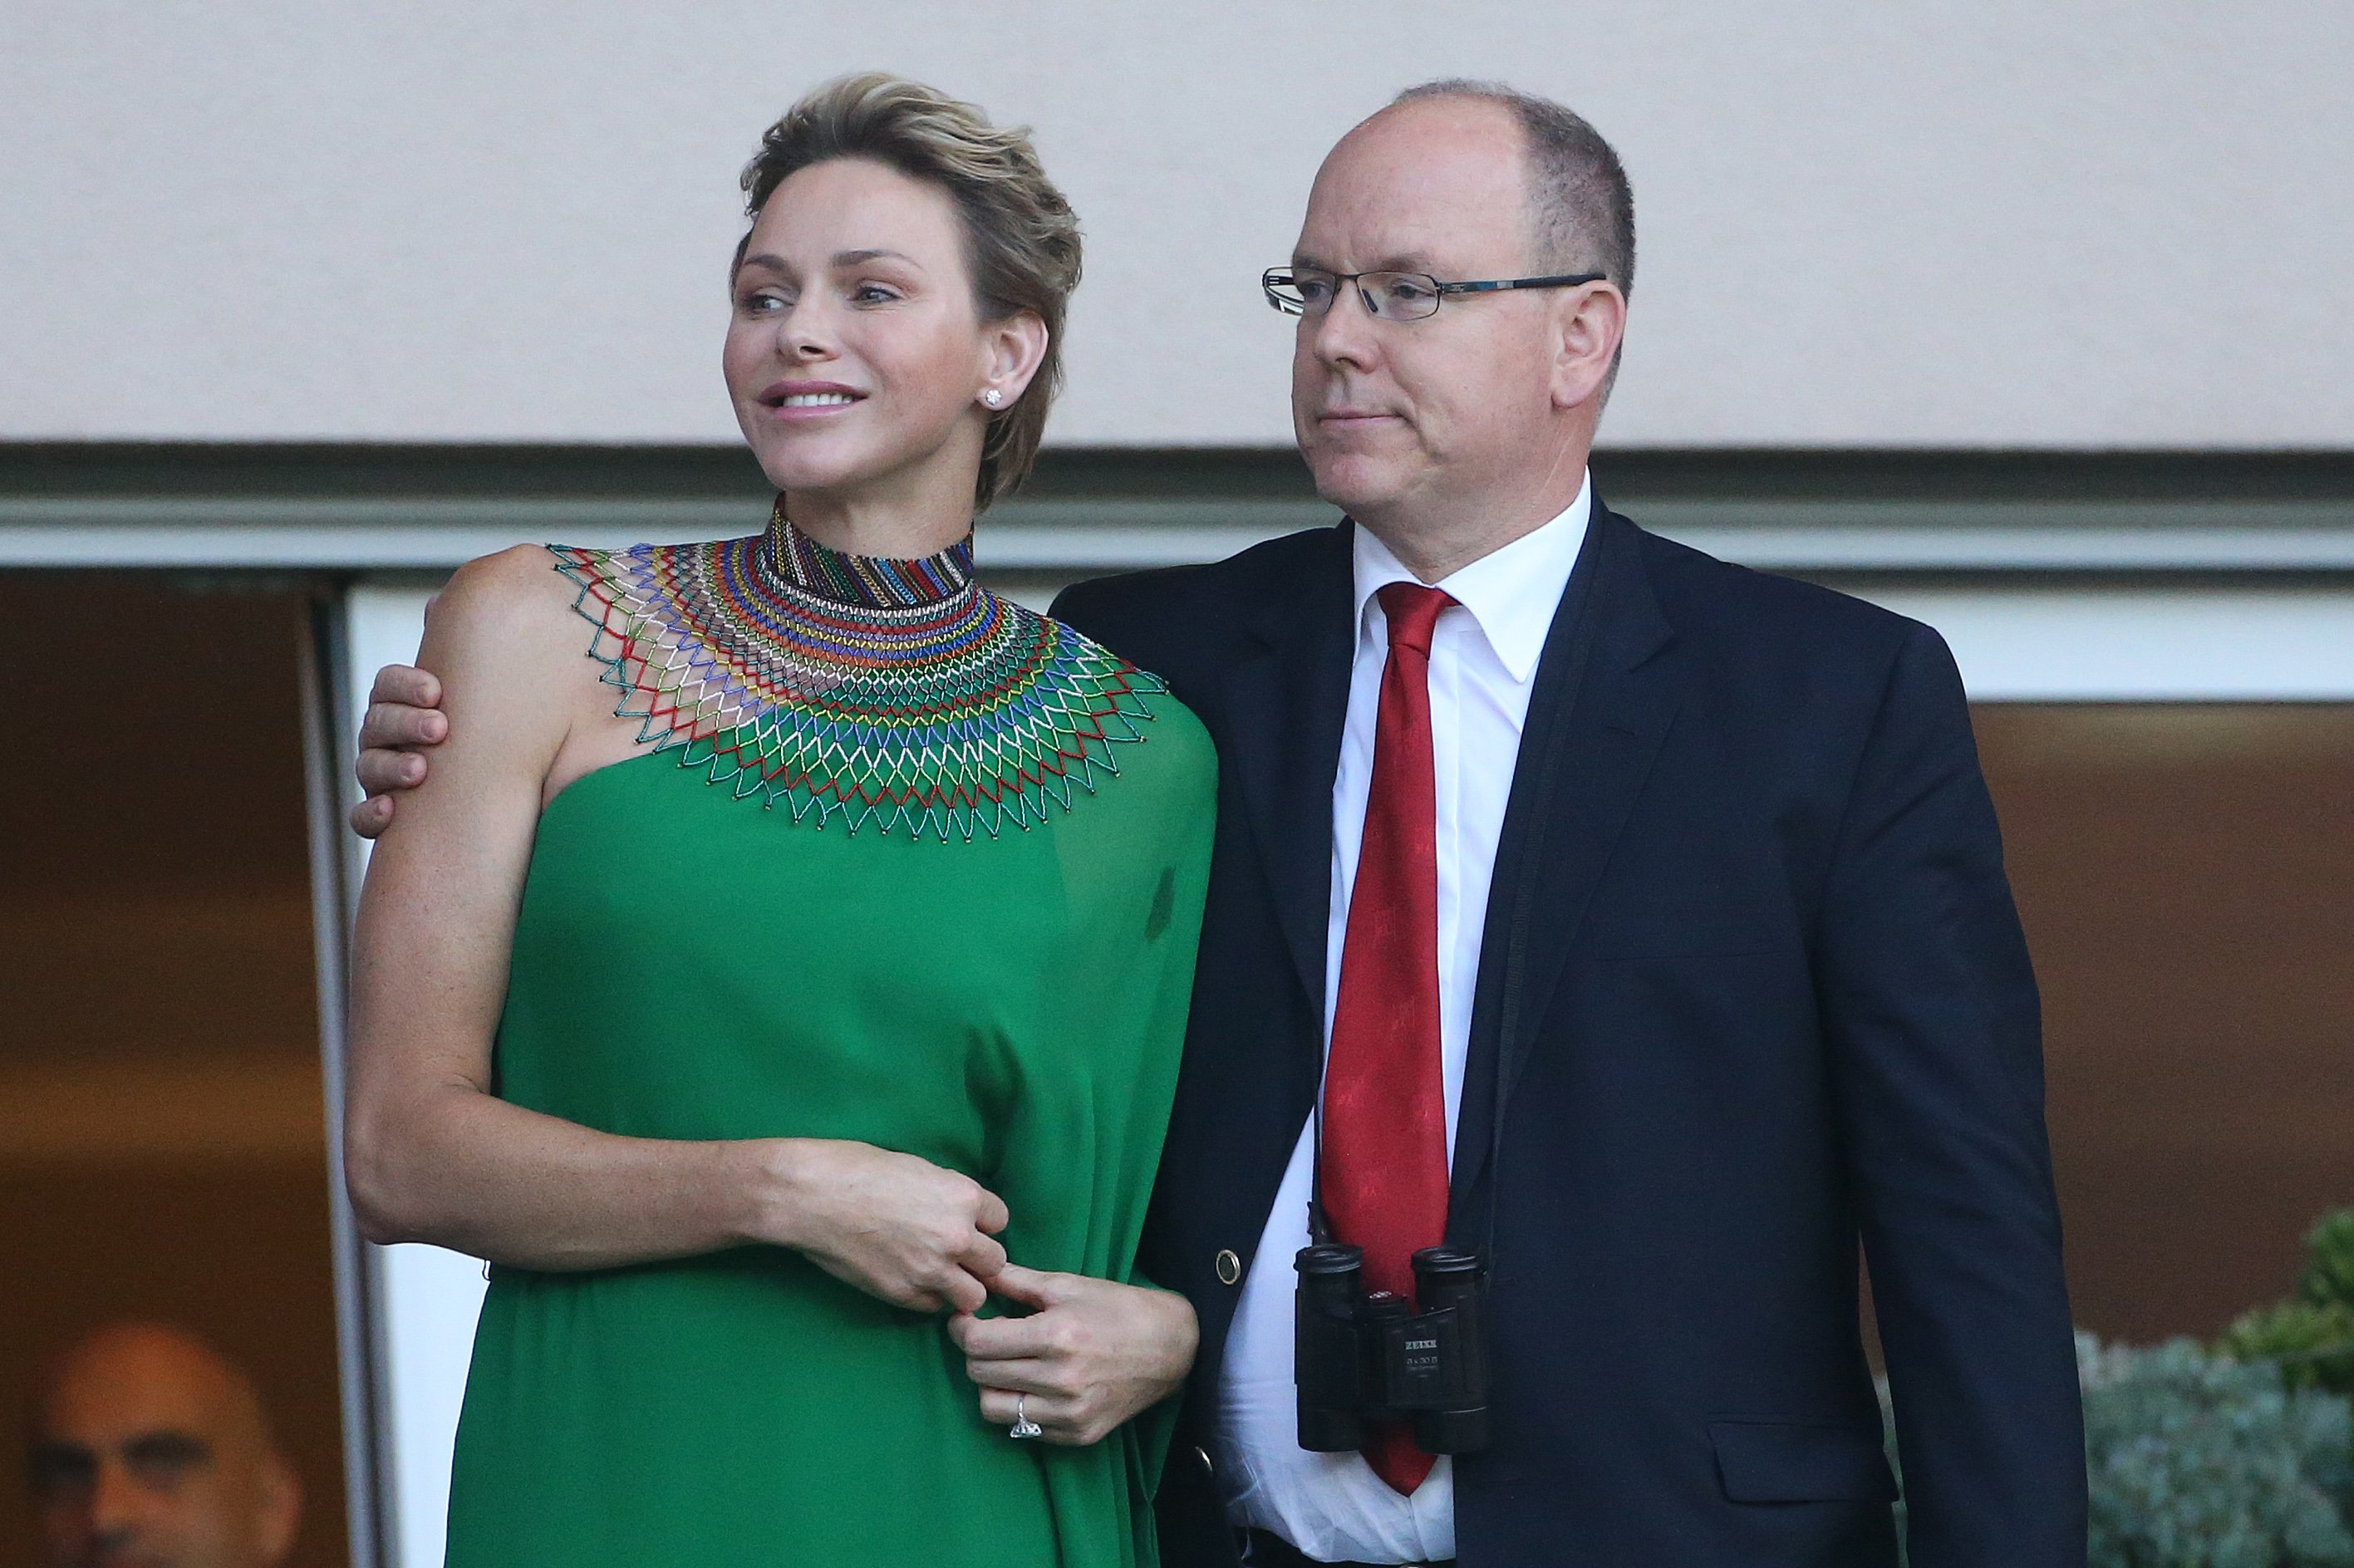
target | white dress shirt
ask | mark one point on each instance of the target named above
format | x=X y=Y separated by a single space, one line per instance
x=1483 y=663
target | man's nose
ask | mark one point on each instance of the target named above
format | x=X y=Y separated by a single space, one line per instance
x=118 y=1504
x=1344 y=334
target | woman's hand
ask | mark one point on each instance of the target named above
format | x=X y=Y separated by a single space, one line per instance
x=1094 y=1355
x=895 y=1226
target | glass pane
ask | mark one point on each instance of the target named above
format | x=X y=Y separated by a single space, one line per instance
x=162 y=1149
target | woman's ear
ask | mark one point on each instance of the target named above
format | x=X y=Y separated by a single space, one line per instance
x=1590 y=324
x=1012 y=349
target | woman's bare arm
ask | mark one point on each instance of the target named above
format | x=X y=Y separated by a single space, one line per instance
x=431 y=1155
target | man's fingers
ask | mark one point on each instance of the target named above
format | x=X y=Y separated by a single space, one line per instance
x=380 y=771
x=406 y=683
x=992 y=1215
x=372 y=816
x=394 y=725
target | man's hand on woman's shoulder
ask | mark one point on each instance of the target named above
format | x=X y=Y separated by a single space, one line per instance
x=404 y=720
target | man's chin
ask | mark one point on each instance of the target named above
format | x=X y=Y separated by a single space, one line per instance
x=1355 y=483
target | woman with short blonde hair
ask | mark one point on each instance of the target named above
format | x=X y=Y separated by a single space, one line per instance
x=808 y=962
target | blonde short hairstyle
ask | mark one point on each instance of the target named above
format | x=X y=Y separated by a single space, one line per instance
x=1022 y=239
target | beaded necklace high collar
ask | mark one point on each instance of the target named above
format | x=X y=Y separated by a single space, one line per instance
x=871 y=581
x=847 y=687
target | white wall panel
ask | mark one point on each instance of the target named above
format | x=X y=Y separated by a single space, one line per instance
x=2142 y=645
x=2015 y=222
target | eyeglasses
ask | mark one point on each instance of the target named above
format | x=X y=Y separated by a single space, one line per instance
x=1392 y=296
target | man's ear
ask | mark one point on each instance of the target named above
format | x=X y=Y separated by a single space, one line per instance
x=281 y=1510
x=1589 y=326
x=1012 y=351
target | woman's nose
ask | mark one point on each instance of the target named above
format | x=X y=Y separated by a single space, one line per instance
x=804 y=334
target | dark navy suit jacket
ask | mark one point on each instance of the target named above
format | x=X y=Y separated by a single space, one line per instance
x=1752 y=991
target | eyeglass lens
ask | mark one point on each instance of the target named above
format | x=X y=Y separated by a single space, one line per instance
x=1393 y=296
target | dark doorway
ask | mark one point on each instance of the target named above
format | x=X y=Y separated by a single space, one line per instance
x=163 y=1150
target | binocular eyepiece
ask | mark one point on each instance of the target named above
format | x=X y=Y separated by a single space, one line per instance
x=1370 y=1356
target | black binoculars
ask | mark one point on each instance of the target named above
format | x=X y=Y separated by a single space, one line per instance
x=1365 y=1356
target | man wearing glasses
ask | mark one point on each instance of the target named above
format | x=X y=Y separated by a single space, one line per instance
x=1630 y=924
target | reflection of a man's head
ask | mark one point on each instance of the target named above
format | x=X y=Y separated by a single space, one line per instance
x=150 y=1450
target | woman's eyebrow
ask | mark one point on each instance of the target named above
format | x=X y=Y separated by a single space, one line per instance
x=875 y=253
x=777 y=264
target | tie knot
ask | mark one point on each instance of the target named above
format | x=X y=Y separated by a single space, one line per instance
x=1413 y=611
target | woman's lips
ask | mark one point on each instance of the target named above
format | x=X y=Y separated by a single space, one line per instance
x=808 y=400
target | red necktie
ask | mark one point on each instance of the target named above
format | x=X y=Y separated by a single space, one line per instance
x=1384 y=1163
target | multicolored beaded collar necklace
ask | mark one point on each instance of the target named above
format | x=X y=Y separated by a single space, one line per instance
x=897 y=693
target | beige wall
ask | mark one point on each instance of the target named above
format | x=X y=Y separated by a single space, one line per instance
x=2013 y=222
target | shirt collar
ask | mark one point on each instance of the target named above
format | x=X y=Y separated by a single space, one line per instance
x=1511 y=594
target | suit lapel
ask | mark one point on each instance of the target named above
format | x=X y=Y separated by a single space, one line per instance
x=1287 y=701
x=1602 y=702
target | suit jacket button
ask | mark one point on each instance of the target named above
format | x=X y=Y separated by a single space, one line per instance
x=1230 y=1268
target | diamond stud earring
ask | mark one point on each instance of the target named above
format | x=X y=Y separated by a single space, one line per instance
x=992 y=396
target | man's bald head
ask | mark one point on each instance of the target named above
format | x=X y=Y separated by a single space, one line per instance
x=150 y=1447
x=1581 y=205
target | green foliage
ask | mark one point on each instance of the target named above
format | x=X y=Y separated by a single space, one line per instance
x=2329 y=1279
x=2237 y=1457
x=2196 y=1461
x=2313 y=1345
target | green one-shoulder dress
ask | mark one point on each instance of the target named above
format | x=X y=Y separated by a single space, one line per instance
x=780 y=923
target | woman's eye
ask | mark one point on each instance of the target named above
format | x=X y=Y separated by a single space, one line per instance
x=761 y=304
x=872 y=294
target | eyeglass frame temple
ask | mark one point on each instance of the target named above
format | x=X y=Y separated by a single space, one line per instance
x=1565 y=281
x=1562 y=280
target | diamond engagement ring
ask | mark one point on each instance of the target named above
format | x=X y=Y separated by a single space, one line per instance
x=1023 y=1426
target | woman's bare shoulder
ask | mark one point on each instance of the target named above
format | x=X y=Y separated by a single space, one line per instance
x=509 y=589
x=503 y=634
